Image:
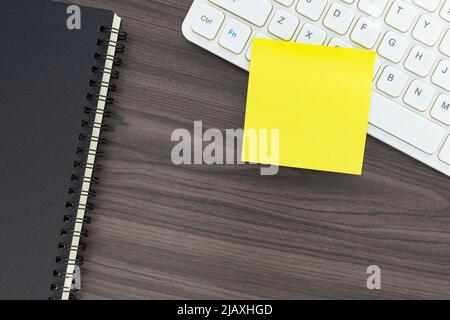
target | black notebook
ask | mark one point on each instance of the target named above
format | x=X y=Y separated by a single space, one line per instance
x=56 y=65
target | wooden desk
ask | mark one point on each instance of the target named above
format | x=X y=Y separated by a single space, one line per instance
x=164 y=231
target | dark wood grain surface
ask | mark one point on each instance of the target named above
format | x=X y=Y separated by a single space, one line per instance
x=164 y=231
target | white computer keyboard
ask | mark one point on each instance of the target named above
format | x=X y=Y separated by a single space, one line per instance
x=411 y=101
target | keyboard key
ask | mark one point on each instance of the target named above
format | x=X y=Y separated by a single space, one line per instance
x=254 y=11
x=392 y=81
x=444 y=155
x=419 y=95
x=445 y=11
x=441 y=109
x=208 y=22
x=366 y=33
x=427 y=30
x=374 y=8
x=235 y=36
x=393 y=47
x=441 y=76
x=405 y=125
x=311 y=9
x=420 y=61
x=338 y=43
x=445 y=44
x=248 y=54
x=286 y=3
x=339 y=18
x=401 y=16
x=283 y=25
x=430 y=5
x=311 y=35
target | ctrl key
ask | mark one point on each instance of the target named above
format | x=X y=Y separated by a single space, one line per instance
x=207 y=22
x=444 y=155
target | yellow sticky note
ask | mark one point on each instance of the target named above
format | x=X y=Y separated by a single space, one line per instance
x=316 y=98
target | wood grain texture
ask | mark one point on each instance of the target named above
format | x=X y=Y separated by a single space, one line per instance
x=164 y=231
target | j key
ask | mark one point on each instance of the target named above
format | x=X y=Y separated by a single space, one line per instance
x=441 y=76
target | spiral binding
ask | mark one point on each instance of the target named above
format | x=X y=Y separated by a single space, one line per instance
x=84 y=153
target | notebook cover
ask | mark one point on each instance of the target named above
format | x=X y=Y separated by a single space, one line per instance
x=45 y=70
